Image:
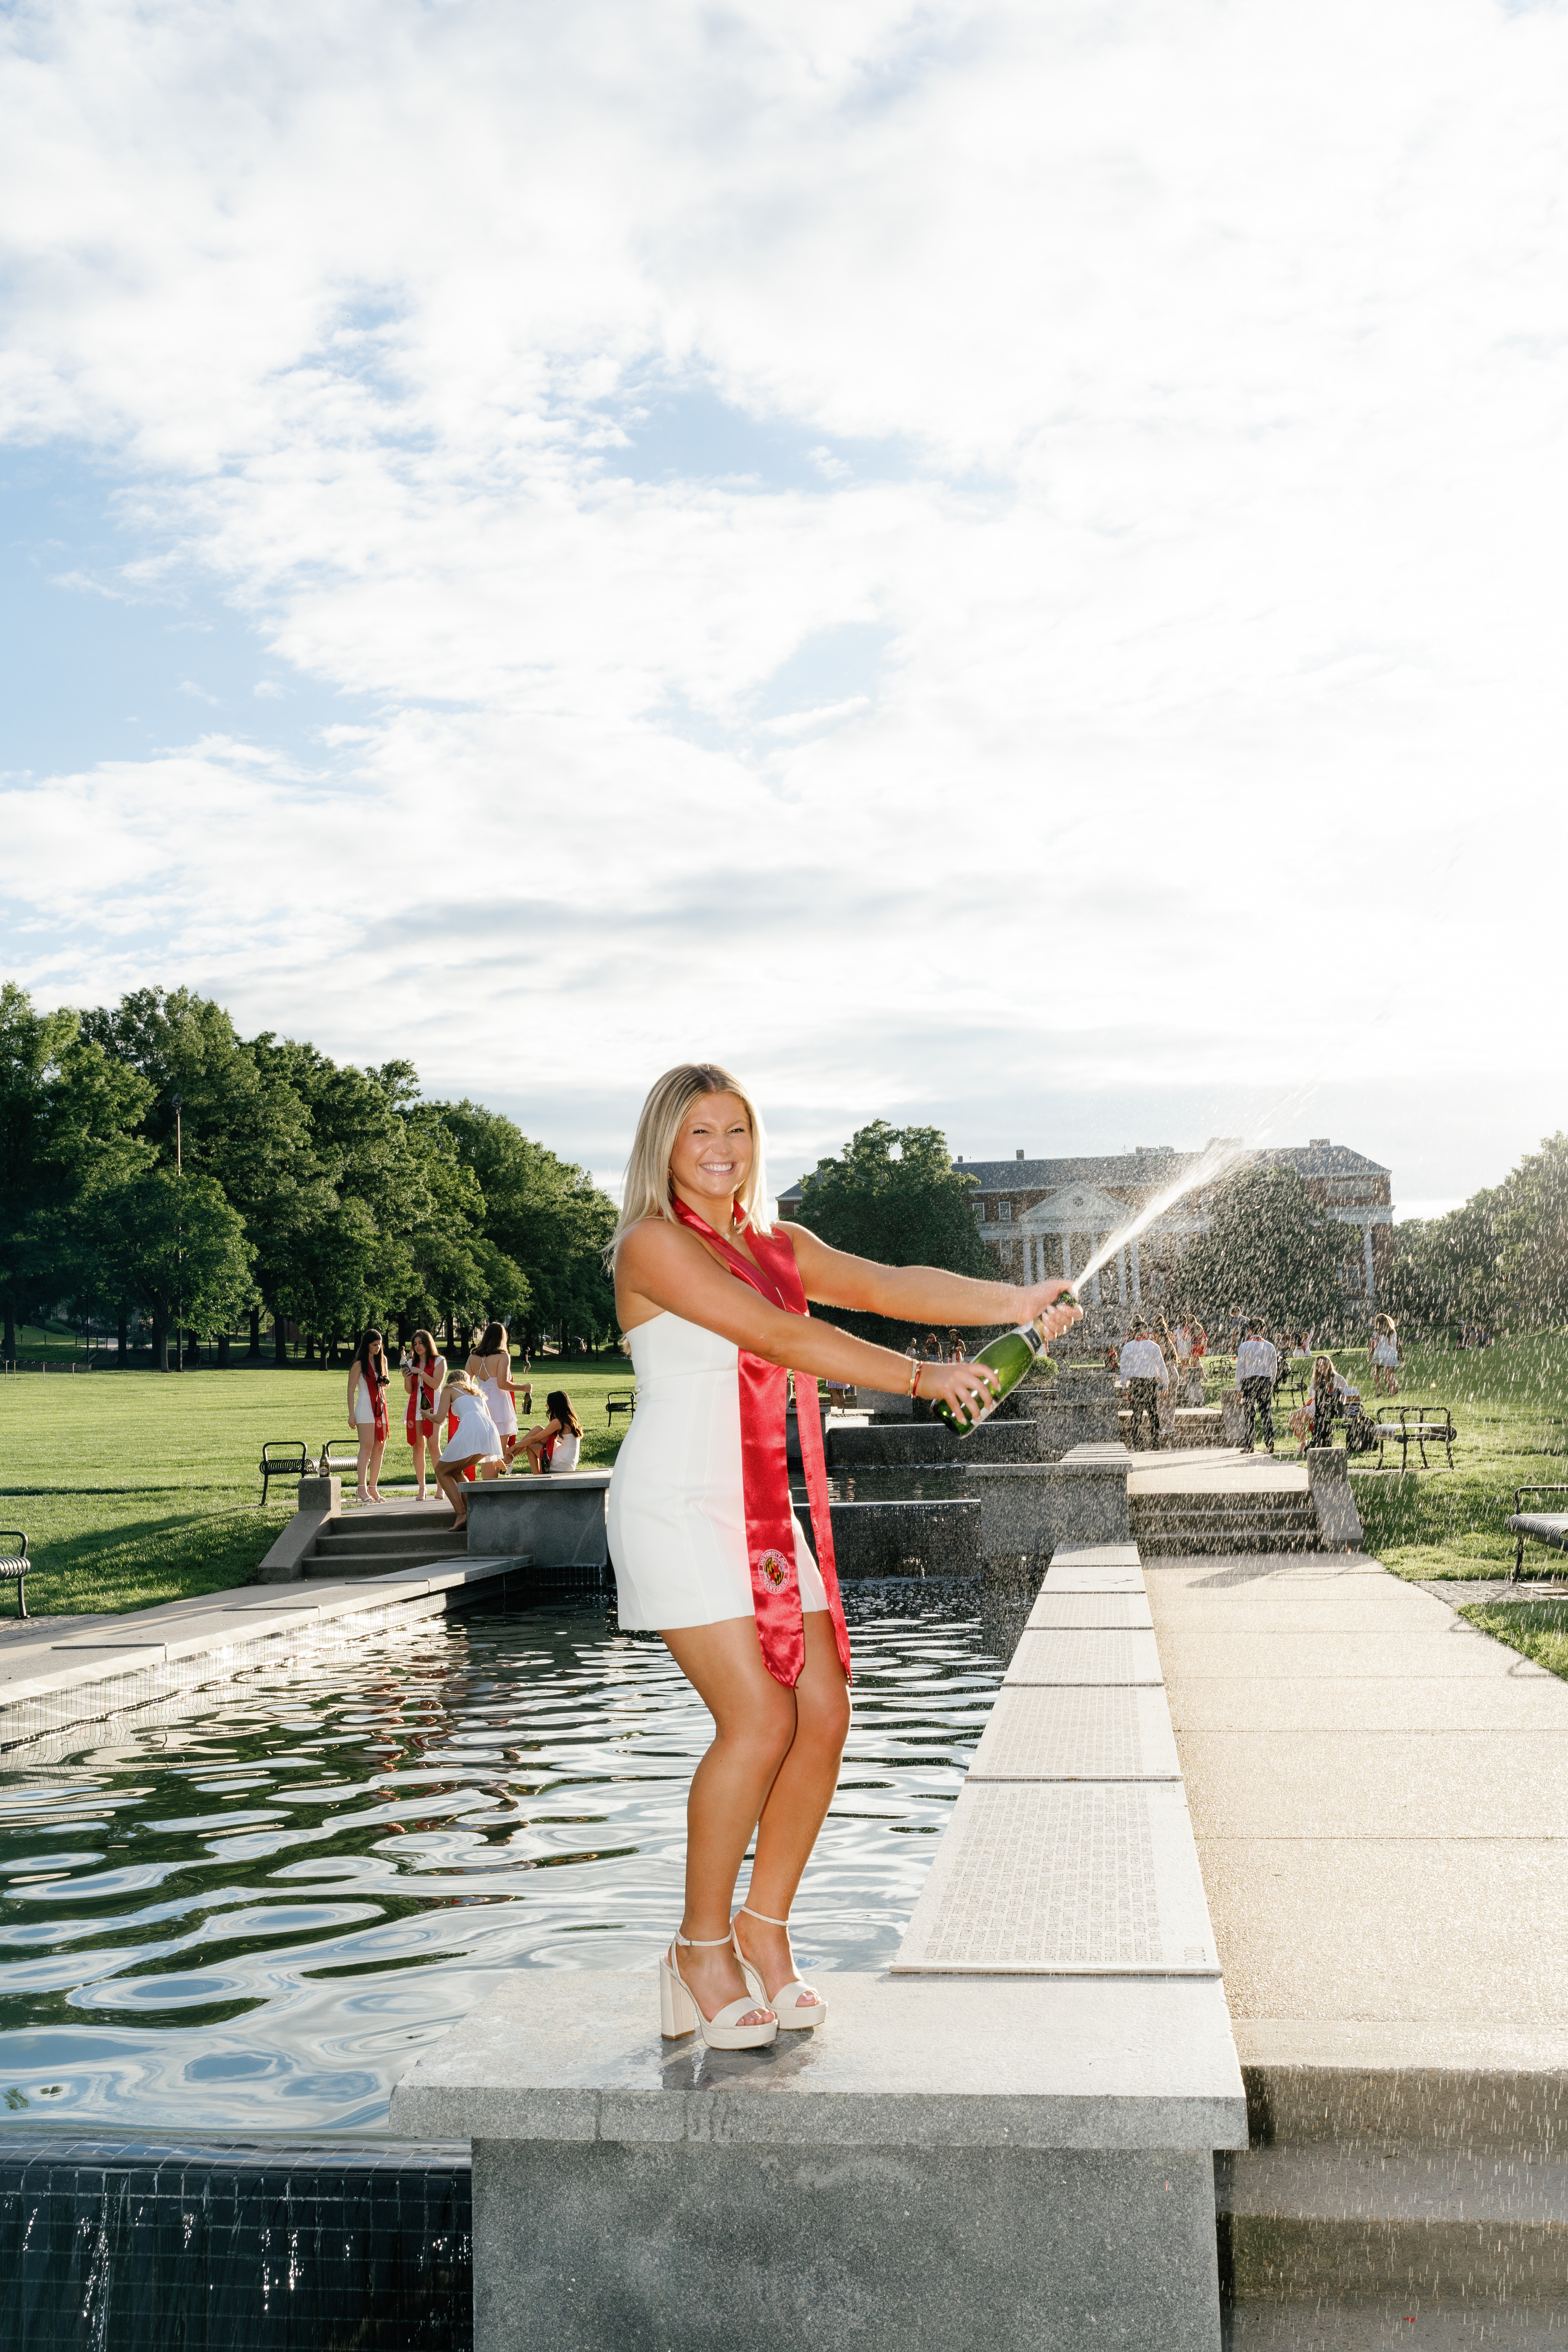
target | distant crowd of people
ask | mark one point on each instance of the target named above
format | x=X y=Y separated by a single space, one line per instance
x=475 y=1409
x=1141 y=1368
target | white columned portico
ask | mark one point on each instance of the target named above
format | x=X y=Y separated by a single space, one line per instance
x=1066 y=1257
x=1366 y=1237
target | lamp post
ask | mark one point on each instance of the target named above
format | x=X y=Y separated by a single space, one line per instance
x=179 y=1250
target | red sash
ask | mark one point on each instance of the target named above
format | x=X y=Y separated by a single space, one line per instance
x=376 y=1388
x=420 y=1417
x=765 y=1465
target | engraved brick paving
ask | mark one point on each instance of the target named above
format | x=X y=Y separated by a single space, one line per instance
x=1110 y=1612
x=1071 y=1735
x=1085 y=1657
x=1050 y=1877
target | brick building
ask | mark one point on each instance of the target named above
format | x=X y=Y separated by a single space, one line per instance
x=1049 y=1216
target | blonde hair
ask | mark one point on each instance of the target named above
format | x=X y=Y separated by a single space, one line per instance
x=647 y=1192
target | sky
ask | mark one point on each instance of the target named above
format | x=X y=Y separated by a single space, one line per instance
x=993 y=566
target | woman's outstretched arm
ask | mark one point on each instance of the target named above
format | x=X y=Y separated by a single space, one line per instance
x=913 y=1293
x=669 y=1267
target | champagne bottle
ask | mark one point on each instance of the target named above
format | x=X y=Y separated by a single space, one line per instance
x=1010 y=1358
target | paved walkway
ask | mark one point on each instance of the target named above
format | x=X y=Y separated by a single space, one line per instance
x=1380 y=1797
x=1213 y=1470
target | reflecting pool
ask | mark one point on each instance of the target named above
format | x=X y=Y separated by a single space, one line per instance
x=251 y=1916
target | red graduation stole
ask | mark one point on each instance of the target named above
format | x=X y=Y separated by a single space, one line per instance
x=764 y=1465
x=377 y=1387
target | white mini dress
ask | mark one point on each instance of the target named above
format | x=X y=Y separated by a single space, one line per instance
x=475 y=1438
x=502 y=1411
x=678 y=1507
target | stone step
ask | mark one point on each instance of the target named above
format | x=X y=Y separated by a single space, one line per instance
x=392 y=1542
x=1297 y=2224
x=341 y=1564
x=1175 y=1525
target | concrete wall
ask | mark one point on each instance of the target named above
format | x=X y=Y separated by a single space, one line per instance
x=558 y=1519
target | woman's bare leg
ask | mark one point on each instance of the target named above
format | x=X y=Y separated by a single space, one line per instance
x=419 y=1467
x=754 y=1723
x=362 y=1487
x=376 y=1451
x=453 y=1488
x=798 y=1800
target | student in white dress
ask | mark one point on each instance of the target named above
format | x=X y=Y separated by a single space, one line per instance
x=703 y=1341
x=490 y=1367
x=1384 y=1356
x=558 y=1443
x=476 y=1441
x=424 y=1368
x=368 y=1378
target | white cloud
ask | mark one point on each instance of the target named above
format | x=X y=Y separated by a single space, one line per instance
x=1200 y=382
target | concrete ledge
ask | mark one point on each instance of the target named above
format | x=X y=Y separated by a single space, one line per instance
x=1095 y=1568
x=903 y=1539
x=1062 y=1610
x=165 y=1651
x=287 y=1559
x=1034 y=1507
x=561 y=2056
x=1096 y=1879
x=1051 y=1733
x=1102 y=1658
x=1329 y=1485
x=915 y=1444
x=557 y=1519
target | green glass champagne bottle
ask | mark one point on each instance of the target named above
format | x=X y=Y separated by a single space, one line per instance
x=1010 y=1358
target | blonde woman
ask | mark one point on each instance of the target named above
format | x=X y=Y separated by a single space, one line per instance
x=1384 y=1356
x=708 y=1554
x=473 y=1443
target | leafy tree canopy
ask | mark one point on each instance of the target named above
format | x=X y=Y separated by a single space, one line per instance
x=893 y=1194
x=1269 y=1250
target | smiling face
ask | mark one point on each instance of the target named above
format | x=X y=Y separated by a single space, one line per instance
x=712 y=1154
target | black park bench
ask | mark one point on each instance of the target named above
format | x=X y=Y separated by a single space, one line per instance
x=14 y=1563
x=1549 y=1527
x=282 y=1458
x=620 y=1400
x=1399 y=1424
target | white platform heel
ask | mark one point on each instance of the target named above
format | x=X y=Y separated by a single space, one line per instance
x=679 y=2013
x=794 y=2015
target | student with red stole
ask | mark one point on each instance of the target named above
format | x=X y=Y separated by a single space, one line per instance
x=707 y=1548
x=424 y=1378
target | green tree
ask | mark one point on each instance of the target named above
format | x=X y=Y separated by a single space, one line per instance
x=1269 y=1250
x=172 y=1245
x=893 y=1194
x=68 y=1113
x=1531 y=1220
x=227 y=1111
x=546 y=1216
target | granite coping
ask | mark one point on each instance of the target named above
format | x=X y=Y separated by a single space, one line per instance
x=1080 y=1733
x=558 y=2054
x=1081 y=1878
x=179 y=1632
x=1070 y=1611
x=1095 y=1568
x=1085 y=1655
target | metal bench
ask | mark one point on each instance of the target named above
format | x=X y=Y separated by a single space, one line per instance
x=620 y=1400
x=326 y=1464
x=1399 y=1423
x=1549 y=1527
x=15 y=1564
x=282 y=1458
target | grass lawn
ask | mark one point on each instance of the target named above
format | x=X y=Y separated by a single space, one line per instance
x=1538 y=1629
x=1510 y=1404
x=134 y=1487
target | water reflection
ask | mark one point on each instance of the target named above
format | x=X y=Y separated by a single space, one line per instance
x=251 y=1916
